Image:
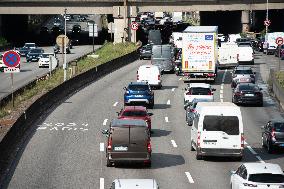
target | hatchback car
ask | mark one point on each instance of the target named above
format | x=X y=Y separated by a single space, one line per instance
x=273 y=135
x=198 y=91
x=44 y=60
x=136 y=112
x=134 y=184
x=146 y=52
x=242 y=74
x=34 y=55
x=247 y=93
x=139 y=93
x=257 y=175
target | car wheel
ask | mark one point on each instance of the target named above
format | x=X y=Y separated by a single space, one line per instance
x=198 y=157
x=269 y=148
x=191 y=147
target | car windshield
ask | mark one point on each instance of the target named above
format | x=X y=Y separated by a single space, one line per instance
x=243 y=72
x=199 y=91
x=138 y=87
x=227 y=124
x=266 y=178
x=29 y=45
x=247 y=87
x=135 y=113
x=36 y=51
x=279 y=127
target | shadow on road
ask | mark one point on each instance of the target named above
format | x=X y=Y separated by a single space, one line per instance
x=161 y=106
x=159 y=133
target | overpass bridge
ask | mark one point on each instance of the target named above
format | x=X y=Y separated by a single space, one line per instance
x=124 y=11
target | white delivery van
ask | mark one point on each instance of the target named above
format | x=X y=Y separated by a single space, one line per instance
x=269 y=44
x=228 y=55
x=150 y=74
x=233 y=38
x=245 y=54
x=217 y=130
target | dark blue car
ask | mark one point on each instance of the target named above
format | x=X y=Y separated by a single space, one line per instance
x=139 y=93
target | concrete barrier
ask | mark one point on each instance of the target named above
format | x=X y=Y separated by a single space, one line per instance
x=277 y=90
x=21 y=131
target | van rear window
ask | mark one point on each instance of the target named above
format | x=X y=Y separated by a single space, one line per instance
x=227 y=124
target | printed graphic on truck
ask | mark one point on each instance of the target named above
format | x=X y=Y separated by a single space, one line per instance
x=198 y=52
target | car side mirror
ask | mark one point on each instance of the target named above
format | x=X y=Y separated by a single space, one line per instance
x=254 y=72
x=124 y=88
x=233 y=172
x=106 y=132
x=150 y=114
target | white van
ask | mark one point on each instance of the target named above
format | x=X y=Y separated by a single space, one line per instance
x=245 y=54
x=150 y=74
x=228 y=55
x=217 y=130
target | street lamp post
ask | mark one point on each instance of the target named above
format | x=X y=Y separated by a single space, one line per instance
x=266 y=26
x=64 y=51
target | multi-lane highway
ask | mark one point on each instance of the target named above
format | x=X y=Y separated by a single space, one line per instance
x=67 y=149
x=30 y=71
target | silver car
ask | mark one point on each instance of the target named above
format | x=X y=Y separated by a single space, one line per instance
x=242 y=74
x=134 y=184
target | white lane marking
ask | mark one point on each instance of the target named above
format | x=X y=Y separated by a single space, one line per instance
x=102 y=147
x=222 y=86
x=168 y=102
x=189 y=177
x=174 y=143
x=221 y=96
x=245 y=143
x=221 y=91
x=115 y=104
x=180 y=79
x=259 y=158
x=105 y=122
x=166 y=119
x=223 y=78
x=102 y=183
x=221 y=100
x=251 y=150
x=173 y=89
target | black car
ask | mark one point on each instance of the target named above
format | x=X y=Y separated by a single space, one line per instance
x=273 y=135
x=146 y=52
x=24 y=51
x=34 y=55
x=56 y=30
x=247 y=93
x=57 y=49
x=260 y=45
x=76 y=29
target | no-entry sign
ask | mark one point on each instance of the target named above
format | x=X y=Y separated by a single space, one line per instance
x=134 y=26
x=279 y=40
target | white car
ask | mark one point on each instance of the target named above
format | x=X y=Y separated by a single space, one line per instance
x=134 y=184
x=44 y=60
x=198 y=91
x=257 y=175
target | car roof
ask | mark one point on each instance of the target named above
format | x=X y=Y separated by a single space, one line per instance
x=247 y=84
x=132 y=122
x=135 y=183
x=217 y=108
x=133 y=108
x=253 y=168
x=277 y=120
x=138 y=83
x=243 y=68
x=203 y=85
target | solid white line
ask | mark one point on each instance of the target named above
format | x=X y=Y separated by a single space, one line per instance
x=222 y=86
x=221 y=100
x=221 y=96
x=102 y=183
x=251 y=150
x=105 y=122
x=259 y=158
x=174 y=143
x=166 y=119
x=223 y=78
x=168 y=102
x=180 y=79
x=173 y=89
x=115 y=104
x=189 y=177
x=102 y=147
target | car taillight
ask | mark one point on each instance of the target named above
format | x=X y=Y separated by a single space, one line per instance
x=188 y=93
x=198 y=139
x=109 y=145
x=238 y=57
x=210 y=93
x=250 y=185
x=159 y=77
x=273 y=133
x=149 y=147
x=210 y=74
x=192 y=110
x=242 y=140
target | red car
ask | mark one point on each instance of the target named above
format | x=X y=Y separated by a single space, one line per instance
x=135 y=112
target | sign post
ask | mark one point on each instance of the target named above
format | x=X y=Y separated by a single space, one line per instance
x=134 y=27
x=279 y=41
x=93 y=32
x=62 y=41
x=12 y=60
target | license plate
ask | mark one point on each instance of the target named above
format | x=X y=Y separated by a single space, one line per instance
x=249 y=94
x=120 y=148
x=138 y=95
x=210 y=143
x=244 y=80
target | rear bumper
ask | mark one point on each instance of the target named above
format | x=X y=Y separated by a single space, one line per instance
x=249 y=100
x=220 y=152
x=147 y=158
x=129 y=101
x=227 y=65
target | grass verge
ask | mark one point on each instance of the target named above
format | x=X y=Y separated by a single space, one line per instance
x=106 y=53
x=279 y=75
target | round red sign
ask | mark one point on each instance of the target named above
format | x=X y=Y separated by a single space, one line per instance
x=279 y=40
x=11 y=59
x=134 y=26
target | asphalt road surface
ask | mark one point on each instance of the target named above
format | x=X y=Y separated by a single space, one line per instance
x=30 y=71
x=67 y=148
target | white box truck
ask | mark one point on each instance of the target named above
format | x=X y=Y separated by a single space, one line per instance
x=177 y=17
x=200 y=53
x=269 y=44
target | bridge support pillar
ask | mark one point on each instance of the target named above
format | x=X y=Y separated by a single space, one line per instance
x=119 y=33
x=245 y=21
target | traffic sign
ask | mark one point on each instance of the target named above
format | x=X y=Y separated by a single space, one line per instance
x=267 y=22
x=279 y=40
x=11 y=59
x=60 y=40
x=134 y=26
x=11 y=70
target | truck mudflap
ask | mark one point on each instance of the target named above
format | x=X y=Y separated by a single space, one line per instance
x=199 y=76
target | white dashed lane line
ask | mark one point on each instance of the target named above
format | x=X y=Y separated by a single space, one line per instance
x=259 y=158
x=102 y=183
x=174 y=143
x=105 y=122
x=166 y=119
x=102 y=147
x=251 y=150
x=173 y=89
x=168 y=102
x=221 y=96
x=115 y=104
x=222 y=86
x=189 y=177
x=180 y=79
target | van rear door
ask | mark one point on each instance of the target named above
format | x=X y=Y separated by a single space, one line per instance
x=149 y=74
x=139 y=137
x=221 y=132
